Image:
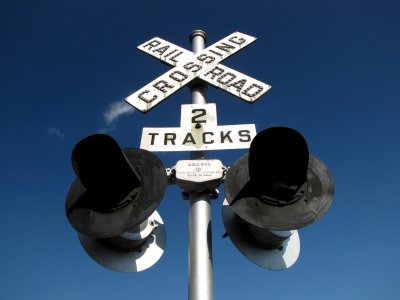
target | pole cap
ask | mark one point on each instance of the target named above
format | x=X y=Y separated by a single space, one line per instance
x=198 y=32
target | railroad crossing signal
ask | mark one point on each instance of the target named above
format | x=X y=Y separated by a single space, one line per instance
x=271 y=191
x=204 y=65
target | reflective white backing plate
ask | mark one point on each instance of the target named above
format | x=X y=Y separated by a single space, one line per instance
x=134 y=261
x=268 y=259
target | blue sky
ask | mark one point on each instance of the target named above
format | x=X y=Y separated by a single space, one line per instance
x=334 y=67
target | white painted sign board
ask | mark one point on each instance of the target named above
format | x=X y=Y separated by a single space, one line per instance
x=198 y=132
x=192 y=66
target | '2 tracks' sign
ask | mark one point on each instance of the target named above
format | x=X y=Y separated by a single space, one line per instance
x=198 y=132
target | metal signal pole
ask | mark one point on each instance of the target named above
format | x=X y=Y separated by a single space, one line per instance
x=200 y=244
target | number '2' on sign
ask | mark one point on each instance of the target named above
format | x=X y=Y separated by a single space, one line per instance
x=203 y=114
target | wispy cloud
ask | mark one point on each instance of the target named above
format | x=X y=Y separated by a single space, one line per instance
x=55 y=132
x=116 y=110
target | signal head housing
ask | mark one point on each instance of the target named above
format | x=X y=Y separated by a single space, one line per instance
x=278 y=185
x=115 y=189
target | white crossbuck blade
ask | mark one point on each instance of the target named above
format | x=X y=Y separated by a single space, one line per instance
x=204 y=65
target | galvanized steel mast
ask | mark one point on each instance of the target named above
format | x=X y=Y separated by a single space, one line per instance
x=200 y=245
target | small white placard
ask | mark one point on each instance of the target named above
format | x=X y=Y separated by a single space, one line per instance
x=199 y=170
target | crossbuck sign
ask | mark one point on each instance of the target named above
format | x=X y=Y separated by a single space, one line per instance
x=204 y=65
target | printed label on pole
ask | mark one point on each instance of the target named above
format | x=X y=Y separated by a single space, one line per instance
x=199 y=170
